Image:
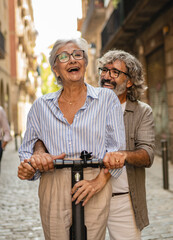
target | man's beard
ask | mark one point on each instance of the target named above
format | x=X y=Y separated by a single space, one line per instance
x=118 y=89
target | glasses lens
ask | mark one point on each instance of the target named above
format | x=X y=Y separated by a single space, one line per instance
x=63 y=57
x=78 y=54
x=103 y=71
x=114 y=73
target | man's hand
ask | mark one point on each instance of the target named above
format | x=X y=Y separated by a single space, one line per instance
x=85 y=189
x=138 y=158
x=44 y=162
x=113 y=160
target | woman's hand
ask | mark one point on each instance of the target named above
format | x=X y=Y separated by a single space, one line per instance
x=85 y=189
x=42 y=162
x=25 y=171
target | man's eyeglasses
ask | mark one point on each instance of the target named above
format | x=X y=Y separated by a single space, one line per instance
x=65 y=56
x=114 y=73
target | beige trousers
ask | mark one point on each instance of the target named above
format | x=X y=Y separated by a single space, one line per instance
x=121 y=220
x=55 y=205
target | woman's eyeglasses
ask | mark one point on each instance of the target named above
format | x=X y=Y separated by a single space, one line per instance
x=65 y=56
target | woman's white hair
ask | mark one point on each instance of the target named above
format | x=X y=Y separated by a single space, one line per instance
x=80 y=42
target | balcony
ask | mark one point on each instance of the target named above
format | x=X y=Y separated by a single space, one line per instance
x=2 y=46
x=94 y=18
x=113 y=24
x=128 y=19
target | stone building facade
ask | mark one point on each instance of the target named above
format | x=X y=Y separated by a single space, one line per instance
x=145 y=29
x=4 y=58
x=18 y=80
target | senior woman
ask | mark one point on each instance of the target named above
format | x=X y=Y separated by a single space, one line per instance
x=77 y=117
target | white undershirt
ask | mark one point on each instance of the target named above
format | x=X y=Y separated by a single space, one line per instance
x=121 y=183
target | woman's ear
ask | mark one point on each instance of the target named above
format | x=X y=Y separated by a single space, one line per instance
x=55 y=71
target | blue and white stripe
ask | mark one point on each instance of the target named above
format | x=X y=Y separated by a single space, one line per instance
x=97 y=127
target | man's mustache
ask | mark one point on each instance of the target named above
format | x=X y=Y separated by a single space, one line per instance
x=103 y=81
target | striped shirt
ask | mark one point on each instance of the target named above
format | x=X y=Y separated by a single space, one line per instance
x=98 y=126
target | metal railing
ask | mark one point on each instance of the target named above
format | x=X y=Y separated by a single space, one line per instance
x=115 y=21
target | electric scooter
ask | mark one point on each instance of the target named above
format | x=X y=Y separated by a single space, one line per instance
x=78 y=230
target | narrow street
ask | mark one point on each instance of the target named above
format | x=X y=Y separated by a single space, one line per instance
x=20 y=220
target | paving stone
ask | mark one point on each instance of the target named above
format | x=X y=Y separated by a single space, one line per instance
x=19 y=205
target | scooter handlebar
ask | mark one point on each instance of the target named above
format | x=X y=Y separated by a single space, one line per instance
x=94 y=163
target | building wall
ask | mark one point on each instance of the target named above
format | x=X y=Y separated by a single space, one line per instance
x=157 y=38
x=4 y=62
x=91 y=24
x=152 y=44
x=22 y=42
x=169 y=81
x=17 y=88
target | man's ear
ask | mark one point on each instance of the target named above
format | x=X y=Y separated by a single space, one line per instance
x=129 y=83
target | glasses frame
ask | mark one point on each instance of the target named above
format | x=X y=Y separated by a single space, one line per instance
x=69 y=54
x=109 y=70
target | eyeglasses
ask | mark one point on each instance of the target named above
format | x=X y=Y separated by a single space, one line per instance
x=114 y=73
x=65 y=56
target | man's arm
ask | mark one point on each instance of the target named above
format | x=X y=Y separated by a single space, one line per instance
x=143 y=154
x=40 y=160
x=114 y=160
x=39 y=148
x=139 y=157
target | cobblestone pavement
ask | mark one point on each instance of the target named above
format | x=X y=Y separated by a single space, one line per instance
x=19 y=211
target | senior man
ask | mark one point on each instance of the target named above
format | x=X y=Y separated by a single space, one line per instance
x=123 y=73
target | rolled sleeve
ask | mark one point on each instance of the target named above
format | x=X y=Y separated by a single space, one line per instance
x=145 y=138
x=31 y=136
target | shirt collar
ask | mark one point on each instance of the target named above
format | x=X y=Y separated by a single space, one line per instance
x=91 y=92
x=130 y=106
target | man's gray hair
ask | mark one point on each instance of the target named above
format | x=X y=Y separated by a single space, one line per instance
x=80 y=42
x=134 y=69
